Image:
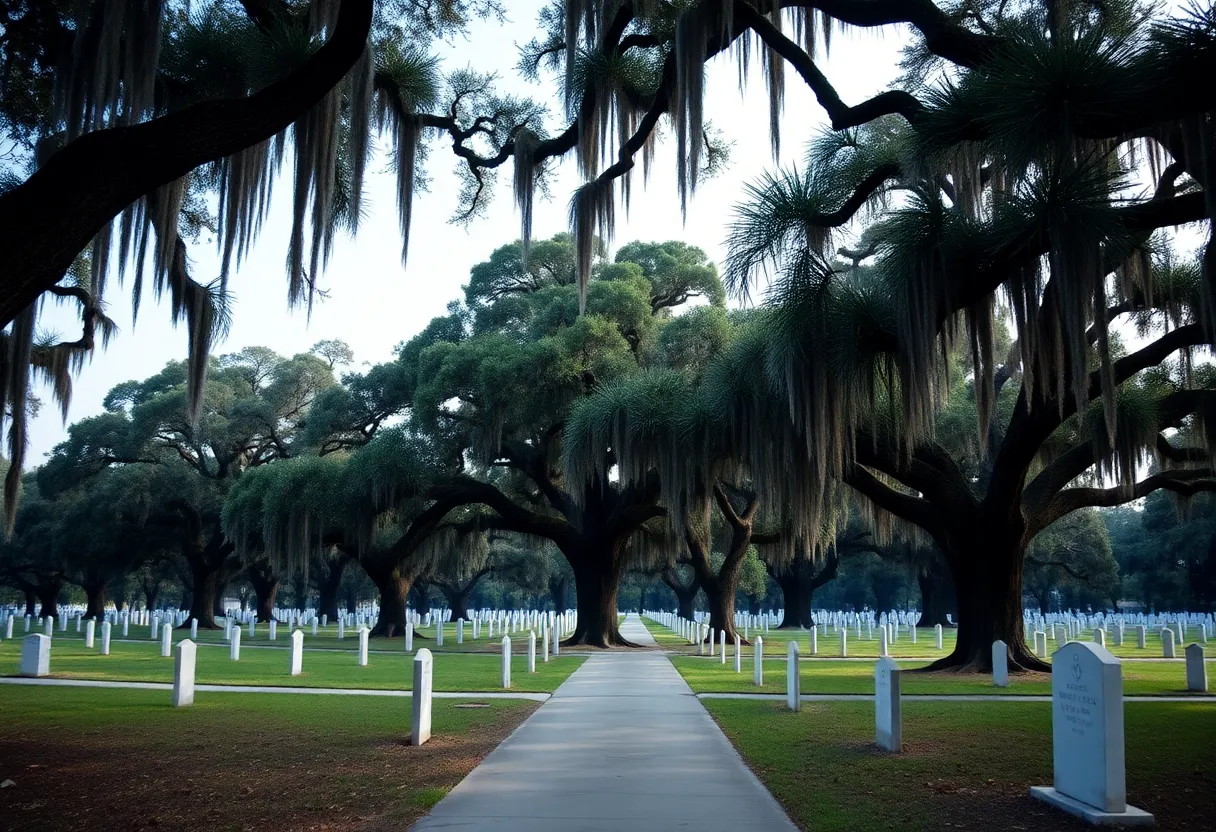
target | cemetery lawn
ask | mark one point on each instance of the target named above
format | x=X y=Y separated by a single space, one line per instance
x=705 y=675
x=139 y=662
x=903 y=648
x=325 y=638
x=98 y=759
x=965 y=765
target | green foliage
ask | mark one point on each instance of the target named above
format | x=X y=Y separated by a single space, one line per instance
x=1072 y=557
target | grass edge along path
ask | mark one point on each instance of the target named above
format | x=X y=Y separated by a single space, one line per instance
x=233 y=761
x=965 y=765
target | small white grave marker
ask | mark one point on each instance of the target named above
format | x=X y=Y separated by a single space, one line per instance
x=420 y=713
x=738 y=655
x=297 y=652
x=193 y=628
x=439 y=634
x=183 y=673
x=532 y=651
x=888 y=719
x=844 y=643
x=105 y=638
x=1040 y=644
x=363 y=633
x=506 y=661
x=36 y=655
x=274 y=630
x=937 y=631
x=234 y=646
x=1167 y=643
x=1000 y=664
x=1196 y=670
x=792 y=689
x=758 y=662
x=89 y=630
x=409 y=636
x=166 y=641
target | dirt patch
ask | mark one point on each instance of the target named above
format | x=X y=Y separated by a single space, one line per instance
x=253 y=779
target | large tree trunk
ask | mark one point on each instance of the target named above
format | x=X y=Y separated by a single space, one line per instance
x=394 y=588
x=328 y=585
x=686 y=603
x=265 y=585
x=720 y=596
x=48 y=596
x=96 y=601
x=597 y=578
x=222 y=582
x=458 y=602
x=988 y=579
x=202 y=600
x=31 y=600
x=936 y=596
x=796 y=597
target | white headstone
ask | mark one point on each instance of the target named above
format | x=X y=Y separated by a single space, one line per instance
x=937 y=631
x=758 y=662
x=49 y=626
x=1087 y=737
x=506 y=661
x=544 y=641
x=89 y=630
x=1140 y=636
x=1099 y=636
x=183 y=673
x=409 y=636
x=1040 y=644
x=888 y=720
x=297 y=652
x=1167 y=643
x=105 y=638
x=1196 y=670
x=234 y=646
x=738 y=655
x=363 y=633
x=341 y=628
x=36 y=655
x=420 y=713
x=166 y=641
x=844 y=643
x=792 y=689
x=882 y=641
x=439 y=634
x=314 y=625
x=274 y=630
x=193 y=628
x=1000 y=664
x=460 y=631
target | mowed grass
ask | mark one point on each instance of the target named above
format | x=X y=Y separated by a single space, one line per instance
x=139 y=662
x=706 y=675
x=326 y=637
x=903 y=648
x=965 y=765
x=98 y=758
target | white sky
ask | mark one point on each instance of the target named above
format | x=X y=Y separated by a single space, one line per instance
x=374 y=303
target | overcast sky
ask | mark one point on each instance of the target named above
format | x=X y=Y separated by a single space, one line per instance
x=373 y=303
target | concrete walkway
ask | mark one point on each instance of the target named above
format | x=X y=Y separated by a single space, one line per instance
x=622 y=743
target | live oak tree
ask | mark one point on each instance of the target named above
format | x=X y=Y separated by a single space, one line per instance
x=502 y=389
x=255 y=408
x=373 y=504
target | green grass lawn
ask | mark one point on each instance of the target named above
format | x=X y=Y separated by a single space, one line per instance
x=965 y=765
x=903 y=648
x=70 y=659
x=325 y=638
x=706 y=675
x=95 y=758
